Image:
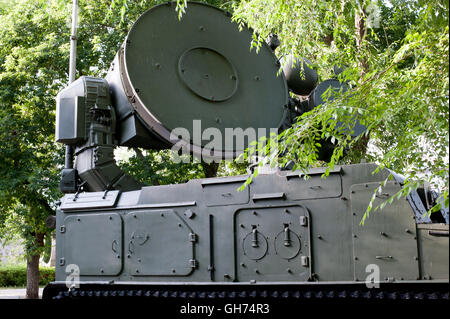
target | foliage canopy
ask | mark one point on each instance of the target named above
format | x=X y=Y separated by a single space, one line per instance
x=396 y=58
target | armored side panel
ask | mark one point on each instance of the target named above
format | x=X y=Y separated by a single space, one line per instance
x=433 y=249
x=388 y=239
x=280 y=229
x=93 y=242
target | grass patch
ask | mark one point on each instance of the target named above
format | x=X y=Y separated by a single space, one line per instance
x=16 y=276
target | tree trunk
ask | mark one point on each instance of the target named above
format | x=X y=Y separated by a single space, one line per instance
x=33 y=270
x=361 y=30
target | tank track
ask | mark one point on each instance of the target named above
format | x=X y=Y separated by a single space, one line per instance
x=382 y=295
x=305 y=293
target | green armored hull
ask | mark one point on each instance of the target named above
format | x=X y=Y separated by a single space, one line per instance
x=281 y=230
x=283 y=235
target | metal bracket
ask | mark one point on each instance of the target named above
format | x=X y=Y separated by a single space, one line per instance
x=78 y=191
x=439 y=233
x=414 y=200
x=106 y=192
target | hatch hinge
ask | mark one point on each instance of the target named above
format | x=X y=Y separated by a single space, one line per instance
x=193 y=237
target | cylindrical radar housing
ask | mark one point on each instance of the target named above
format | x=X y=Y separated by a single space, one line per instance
x=300 y=78
x=199 y=70
x=316 y=99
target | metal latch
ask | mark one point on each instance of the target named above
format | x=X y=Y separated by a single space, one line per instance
x=384 y=257
x=255 y=242
x=304 y=260
x=269 y=196
x=287 y=235
x=304 y=220
x=193 y=263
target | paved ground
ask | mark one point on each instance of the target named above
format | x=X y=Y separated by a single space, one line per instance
x=15 y=293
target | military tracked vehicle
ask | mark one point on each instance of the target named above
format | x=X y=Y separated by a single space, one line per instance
x=282 y=236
